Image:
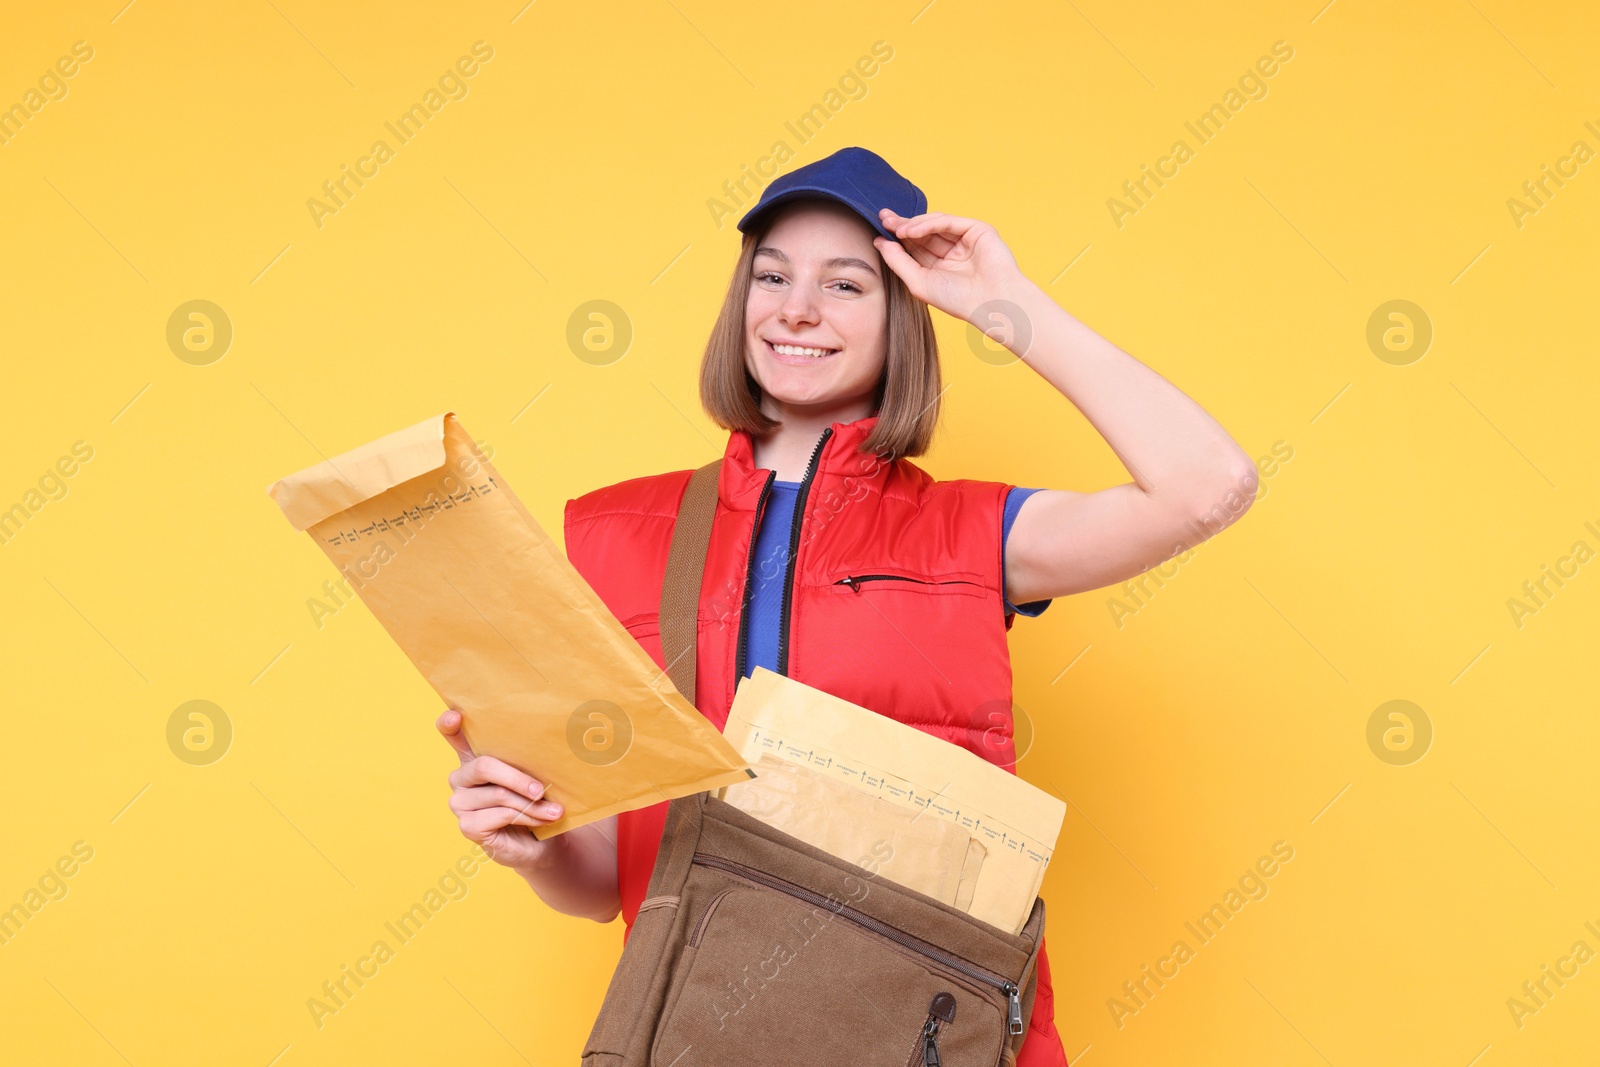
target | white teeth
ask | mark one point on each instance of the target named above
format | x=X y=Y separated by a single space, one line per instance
x=796 y=350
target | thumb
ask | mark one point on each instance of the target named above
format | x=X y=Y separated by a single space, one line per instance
x=449 y=725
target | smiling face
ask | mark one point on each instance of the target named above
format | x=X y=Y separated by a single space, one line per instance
x=815 y=323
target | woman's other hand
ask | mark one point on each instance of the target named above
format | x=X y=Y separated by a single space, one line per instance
x=496 y=804
x=951 y=263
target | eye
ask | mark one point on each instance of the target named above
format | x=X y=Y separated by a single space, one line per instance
x=772 y=278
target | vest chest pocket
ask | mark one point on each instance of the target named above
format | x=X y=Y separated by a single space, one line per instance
x=897 y=638
x=905 y=581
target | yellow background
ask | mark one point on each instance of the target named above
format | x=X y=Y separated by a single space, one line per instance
x=1228 y=713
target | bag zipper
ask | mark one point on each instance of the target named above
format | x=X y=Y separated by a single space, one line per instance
x=941 y=1009
x=700 y=927
x=1005 y=985
x=794 y=550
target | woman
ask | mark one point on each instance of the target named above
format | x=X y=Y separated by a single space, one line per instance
x=835 y=560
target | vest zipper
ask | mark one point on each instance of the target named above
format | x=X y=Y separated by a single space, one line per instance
x=1005 y=985
x=854 y=580
x=749 y=577
x=794 y=550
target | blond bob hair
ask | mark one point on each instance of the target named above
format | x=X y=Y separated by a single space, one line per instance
x=906 y=400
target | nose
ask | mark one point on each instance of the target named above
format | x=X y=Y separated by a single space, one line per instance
x=799 y=306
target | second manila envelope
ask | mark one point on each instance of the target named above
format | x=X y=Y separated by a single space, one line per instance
x=775 y=717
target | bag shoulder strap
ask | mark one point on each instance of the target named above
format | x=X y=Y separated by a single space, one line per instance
x=686 y=568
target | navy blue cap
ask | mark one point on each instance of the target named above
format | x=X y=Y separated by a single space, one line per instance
x=855 y=177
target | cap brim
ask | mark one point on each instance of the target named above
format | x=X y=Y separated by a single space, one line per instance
x=866 y=211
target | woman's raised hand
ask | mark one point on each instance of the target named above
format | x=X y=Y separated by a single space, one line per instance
x=496 y=804
x=952 y=263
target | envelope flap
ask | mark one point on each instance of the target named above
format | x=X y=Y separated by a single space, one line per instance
x=311 y=495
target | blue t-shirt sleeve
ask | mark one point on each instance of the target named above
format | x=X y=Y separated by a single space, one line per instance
x=1014 y=500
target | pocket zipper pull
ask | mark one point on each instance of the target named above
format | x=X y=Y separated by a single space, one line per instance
x=941 y=1009
x=850 y=580
x=1013 y=1009
x=930 y=1044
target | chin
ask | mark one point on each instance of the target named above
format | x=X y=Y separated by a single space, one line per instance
x=793 y=400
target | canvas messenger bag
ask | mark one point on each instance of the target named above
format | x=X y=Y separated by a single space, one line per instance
x=752 y=946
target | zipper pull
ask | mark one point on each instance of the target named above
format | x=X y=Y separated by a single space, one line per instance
x=941 y=1009
x=1013 y=1008
x=851 y=581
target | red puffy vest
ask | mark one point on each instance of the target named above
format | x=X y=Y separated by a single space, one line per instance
x=894 y=602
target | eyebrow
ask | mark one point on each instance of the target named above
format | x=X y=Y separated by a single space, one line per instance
x=837 y=261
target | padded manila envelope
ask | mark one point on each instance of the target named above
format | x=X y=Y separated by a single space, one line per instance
x=775 y=717
x=503 y=627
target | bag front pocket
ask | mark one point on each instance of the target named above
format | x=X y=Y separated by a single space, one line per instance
x=770 y=977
